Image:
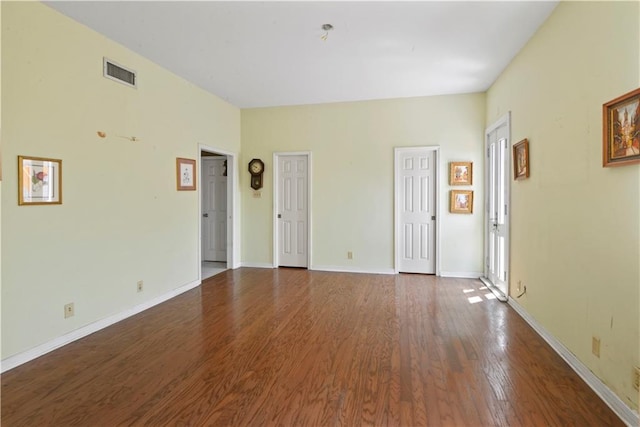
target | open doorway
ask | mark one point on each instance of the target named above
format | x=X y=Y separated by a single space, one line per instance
x=216 y=211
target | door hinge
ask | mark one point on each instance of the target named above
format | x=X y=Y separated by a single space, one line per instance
x=505 y=209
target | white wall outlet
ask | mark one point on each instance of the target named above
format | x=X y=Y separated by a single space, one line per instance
x=69 y=310
x=349 y=255
x=140 y=285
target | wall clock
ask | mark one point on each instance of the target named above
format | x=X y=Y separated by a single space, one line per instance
x=256 y=169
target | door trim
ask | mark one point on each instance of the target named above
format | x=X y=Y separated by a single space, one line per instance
x=274 y=180
x=233 y=235
x=397 y=151
x=504 y=120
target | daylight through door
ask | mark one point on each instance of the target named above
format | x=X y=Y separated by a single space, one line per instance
x=497 y=208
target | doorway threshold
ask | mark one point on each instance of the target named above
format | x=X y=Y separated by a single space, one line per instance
x=494 y=290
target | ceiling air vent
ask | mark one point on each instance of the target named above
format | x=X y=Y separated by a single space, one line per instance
x=114 y=71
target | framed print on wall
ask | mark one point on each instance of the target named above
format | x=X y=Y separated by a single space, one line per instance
x=460 y=173
x=621 y=130
x=186 y=174
x=521 y=160
x=461 y=201
x=39 y=181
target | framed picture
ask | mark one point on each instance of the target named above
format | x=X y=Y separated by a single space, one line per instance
x=186 y=174
x=39 y=181
x=460 y=173
x=461 y=201
x=521 y=160
x=621 y=130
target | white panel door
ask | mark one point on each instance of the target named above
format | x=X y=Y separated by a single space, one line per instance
x=416 y=244
x=292 y=211
x=497 y=204
x=214 y=210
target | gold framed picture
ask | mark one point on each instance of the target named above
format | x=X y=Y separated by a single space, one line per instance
x=621 y=130
x=461 y=201
x=460 y=173
x=39 y=181
x=186 y=174
x=521 y=160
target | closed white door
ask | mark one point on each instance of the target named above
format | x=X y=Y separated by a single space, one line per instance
x=497 y=209
x=292 y=211
x=415 y=174
x=214 y=210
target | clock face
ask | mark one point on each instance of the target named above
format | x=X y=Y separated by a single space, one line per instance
x=256 y=166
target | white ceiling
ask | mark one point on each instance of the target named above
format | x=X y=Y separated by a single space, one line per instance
x=258 y=54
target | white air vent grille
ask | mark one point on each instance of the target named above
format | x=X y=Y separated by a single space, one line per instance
x=117 y=72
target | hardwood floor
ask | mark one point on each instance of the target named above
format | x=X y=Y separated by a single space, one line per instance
x=291 y=347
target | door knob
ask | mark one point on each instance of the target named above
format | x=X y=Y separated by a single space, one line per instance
x=279 y=216
x=205 y=215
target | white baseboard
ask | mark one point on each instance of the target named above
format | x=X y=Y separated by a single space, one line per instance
x=26 y=356
x=345 y=269
x=461 y=274
x=626 y=414
x=256 y=265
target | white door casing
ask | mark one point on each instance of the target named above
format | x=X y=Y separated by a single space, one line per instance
x=292 y=220
x=214 y=209
x=496 y=230
x=416 y=210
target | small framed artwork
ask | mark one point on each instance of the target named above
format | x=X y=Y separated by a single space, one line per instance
x=39 y=181
x=186 y=174
x=460 y=173
x=521 y=160
x=461 y=201
x=621 y=130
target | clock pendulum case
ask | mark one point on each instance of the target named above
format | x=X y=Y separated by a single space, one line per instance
x=256 y=169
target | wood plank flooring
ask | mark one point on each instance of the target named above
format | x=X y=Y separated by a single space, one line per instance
x=289 y=347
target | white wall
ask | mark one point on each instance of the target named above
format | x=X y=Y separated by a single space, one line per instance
x=122 y=219
x=576 y=225
x=352 y=146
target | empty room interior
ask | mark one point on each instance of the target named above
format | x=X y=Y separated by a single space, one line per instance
x=320 y=213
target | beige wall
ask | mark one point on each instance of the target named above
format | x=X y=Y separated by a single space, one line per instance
x=575 y=224
x=353 y=189
x=0 y=175
x=122 y=219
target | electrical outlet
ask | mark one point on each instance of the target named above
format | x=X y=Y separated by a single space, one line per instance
x=595 y=346
x=636 y=378
x=140 y=285
x=69 y=311
x=349 y=255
